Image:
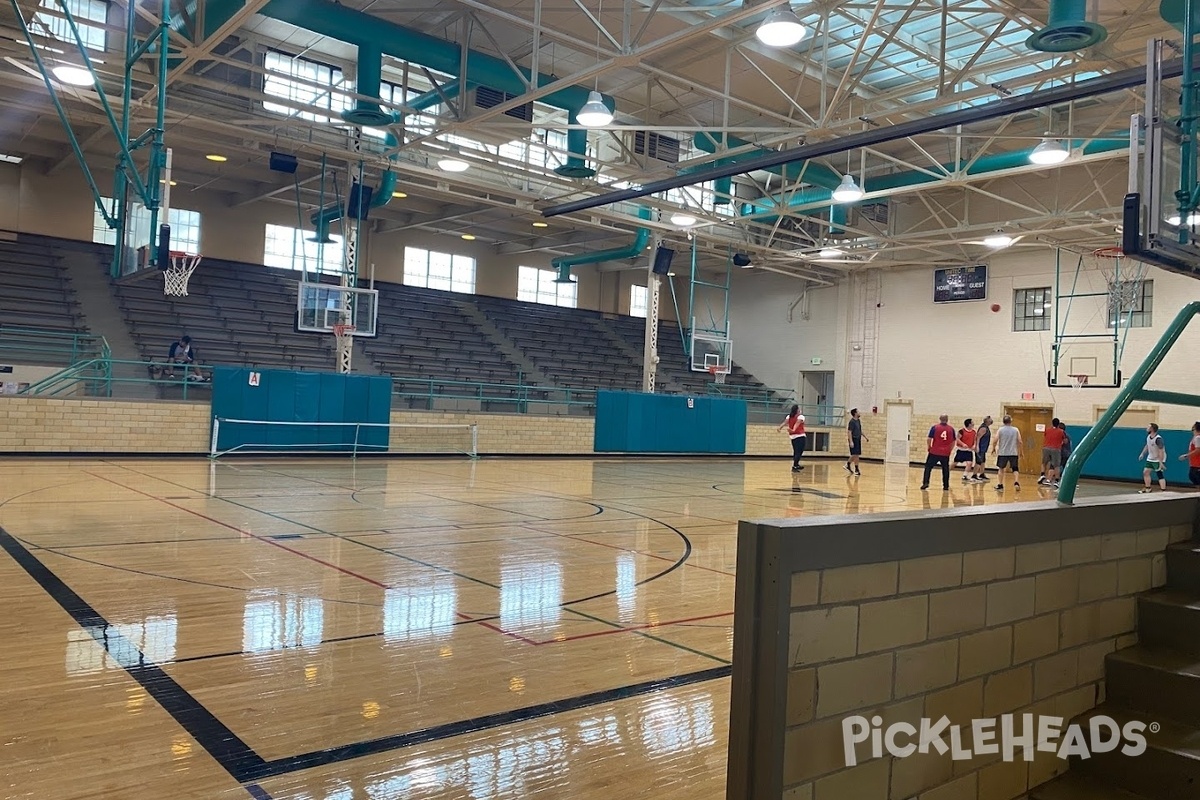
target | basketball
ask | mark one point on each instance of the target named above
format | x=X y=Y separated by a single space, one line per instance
x=995 y=307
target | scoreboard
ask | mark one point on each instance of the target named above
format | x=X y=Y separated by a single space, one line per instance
x=960 y=283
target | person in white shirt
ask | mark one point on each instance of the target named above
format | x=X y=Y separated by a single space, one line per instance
x=1155 y=453
x=794 y=422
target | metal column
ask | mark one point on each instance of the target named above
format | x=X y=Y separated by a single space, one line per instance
x=650 y=351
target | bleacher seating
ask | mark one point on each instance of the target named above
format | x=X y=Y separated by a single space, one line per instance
x=563 y=343
x=35 y=289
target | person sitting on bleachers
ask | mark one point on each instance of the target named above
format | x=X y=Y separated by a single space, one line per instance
x=181 y=352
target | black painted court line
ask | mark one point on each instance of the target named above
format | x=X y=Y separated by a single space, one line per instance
x=386 y=744
x=226 y=748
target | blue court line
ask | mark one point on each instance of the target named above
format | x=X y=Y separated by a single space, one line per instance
x=234 y=755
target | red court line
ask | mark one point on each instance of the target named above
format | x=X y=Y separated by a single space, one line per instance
x=636 y=628
x=293 y=551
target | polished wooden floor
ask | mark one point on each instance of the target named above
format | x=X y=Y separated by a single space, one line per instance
x=388 y=629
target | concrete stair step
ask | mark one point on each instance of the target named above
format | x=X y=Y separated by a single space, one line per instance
x=1169 y=769
x=1170 y=620
x=1183 y=566
x=1076 y=786
x=1162 y=683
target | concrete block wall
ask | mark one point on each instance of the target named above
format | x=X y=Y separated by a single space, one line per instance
x=45 y=425
x=969 y=635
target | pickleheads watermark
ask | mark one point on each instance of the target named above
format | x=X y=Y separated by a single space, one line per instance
x=1006 y=736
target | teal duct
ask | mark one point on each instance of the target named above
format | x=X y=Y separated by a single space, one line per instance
x=324 y=217
x=898 y=180
x=373 y=35
x=1172 y=12
x=809 y=172
x=564 y=263
x=1067 y=29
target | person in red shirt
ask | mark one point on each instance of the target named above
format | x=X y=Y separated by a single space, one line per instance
x=1052 y=442
x=965 y=449
x=941 y=444
x=1193 y=456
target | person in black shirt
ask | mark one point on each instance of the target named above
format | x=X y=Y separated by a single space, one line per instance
x=854 y=437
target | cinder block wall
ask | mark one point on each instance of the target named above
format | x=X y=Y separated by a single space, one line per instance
x=40 y=425
x=968 y=613
x=976 y=635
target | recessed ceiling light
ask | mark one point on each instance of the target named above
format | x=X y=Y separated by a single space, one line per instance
x=400 y=195
x=541 y=224
x=220 y=159
x=682 y=220
x=76 y=76
x=468 y=237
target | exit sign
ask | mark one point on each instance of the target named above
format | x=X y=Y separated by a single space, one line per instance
x=1026 y=395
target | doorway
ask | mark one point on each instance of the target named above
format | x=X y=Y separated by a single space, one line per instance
x=816 y=391
x=1032 y=423
x=899 y=423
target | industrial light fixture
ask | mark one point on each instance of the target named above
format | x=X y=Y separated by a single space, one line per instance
x=781 y=28
x=594 y=114
x=541 y=224
x=682 y=220
x=469 y=237
x=164 y=180
x=829 y=252
x=452 y=162
x=399 y=195
x=1193 y=219
x=1049 y=152
x=998 y=240
x=7 y=159
x=847 y=191
x=220 y=159
x=76 y=76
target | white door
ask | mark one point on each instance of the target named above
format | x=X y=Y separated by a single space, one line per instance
x=899 y=419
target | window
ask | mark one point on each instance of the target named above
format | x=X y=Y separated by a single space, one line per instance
x=303 y=81
x=185 y=227
x=290 y=248
x=83 y=11
x=639 y=301
x=1031 y=309
x=1133 y=307
x=431 y=270
x=538 y=286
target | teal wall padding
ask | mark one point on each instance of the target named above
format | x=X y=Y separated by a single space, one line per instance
x=634 y=422
x=1116 y=456
x=287 y=396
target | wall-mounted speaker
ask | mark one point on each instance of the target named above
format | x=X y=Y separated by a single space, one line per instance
x=662 y=260
x=741 y=260
x=359 y=205
x=282 y=162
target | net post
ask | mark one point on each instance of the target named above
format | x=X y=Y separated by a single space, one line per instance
x=474 y=440
x=212 y=447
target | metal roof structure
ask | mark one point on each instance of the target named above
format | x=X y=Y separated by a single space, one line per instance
x=692 y=86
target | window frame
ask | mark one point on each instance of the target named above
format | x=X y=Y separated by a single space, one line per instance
x=329 y=96
x=310 y=256
x=84 y=12
x=639 y=309
x=545 y=291
x=1026 y=301
x=180 y=219
x=456 y=272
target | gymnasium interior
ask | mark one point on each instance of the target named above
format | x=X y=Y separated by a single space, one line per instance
x=404 y=399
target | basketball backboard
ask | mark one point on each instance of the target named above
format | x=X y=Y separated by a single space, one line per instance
x=1153 y=228
x=711 y=350
x=320 y=306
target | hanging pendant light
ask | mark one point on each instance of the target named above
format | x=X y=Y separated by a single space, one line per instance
x=998 y=240
x=75 y=76
x=452 y=162
x=1049 y=152
x=781 y=28
x=594 y=114
x=847 y=191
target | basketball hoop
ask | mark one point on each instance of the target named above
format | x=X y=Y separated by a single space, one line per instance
x=1078 y=381
x=175 y=276
x=343 y=332
x=1108 y=252
x=718 y=375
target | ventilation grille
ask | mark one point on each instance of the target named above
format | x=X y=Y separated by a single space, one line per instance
x=487 y=97
x=656 y=146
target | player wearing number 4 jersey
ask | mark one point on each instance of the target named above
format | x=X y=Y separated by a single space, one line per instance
x=941 y=444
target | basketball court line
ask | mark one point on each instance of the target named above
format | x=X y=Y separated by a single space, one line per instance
x=242 y=763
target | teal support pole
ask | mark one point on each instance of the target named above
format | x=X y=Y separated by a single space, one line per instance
x=1133 y=390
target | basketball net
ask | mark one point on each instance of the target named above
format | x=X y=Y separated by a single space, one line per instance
x=1078 y=381
x=175 y=276
x=1122 y=276
x=343 y=334
x=718 y=375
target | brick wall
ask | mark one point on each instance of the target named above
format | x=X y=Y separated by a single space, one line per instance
x=39 y=425
x=968 y=635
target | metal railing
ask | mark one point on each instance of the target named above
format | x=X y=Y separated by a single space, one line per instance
x=42 y=346
x=434 y=393
x=98 y=377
